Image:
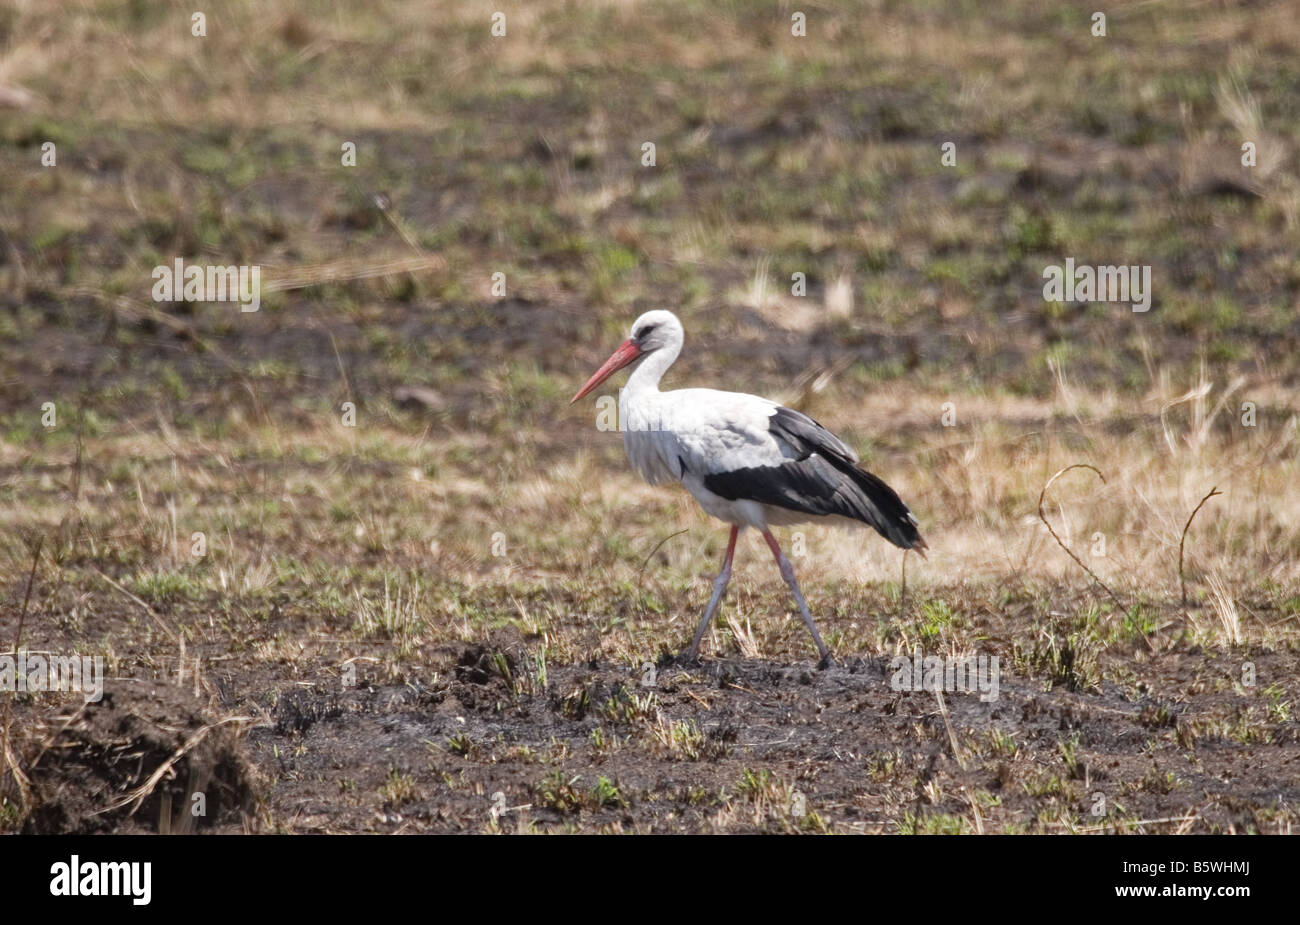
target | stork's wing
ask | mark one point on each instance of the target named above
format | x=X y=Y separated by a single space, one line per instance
x=806 y=436
x=797 y=464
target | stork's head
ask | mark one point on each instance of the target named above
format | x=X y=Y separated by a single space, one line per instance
x=653 y=331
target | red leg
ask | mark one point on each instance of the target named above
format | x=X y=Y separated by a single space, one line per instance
x=787 y=572
x=719 y=586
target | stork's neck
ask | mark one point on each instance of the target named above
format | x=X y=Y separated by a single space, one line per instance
x=645 y=378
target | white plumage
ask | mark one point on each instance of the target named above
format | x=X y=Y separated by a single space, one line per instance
x=748 y=461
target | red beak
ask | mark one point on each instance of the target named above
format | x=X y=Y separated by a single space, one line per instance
x=625 y=354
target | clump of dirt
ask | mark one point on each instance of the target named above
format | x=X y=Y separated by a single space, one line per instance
x=147 y=758
x=479 y=664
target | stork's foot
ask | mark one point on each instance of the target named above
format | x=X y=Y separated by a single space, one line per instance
x=687 y=659
x=826 y=662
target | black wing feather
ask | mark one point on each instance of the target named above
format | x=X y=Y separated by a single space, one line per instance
x=822 y=478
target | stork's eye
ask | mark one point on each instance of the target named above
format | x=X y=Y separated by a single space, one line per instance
x=645 y=332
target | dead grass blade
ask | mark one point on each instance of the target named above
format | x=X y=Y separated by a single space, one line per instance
x=341 y=271
x=958 y=753
x=744 y=636
x=171 y=634
x=138 y=795
x=1225 y=607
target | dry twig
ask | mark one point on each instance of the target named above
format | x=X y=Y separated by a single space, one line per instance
x=1043 y=517
x=1182 y=581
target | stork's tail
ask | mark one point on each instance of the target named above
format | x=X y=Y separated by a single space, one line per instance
x=884 y=510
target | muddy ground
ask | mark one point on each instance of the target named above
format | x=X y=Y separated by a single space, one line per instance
x=854 y=748
x=735 y=745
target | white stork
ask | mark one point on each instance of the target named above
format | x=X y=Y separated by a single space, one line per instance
x=749 y=461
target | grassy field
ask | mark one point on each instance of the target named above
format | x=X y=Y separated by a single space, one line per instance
x=354 y=563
